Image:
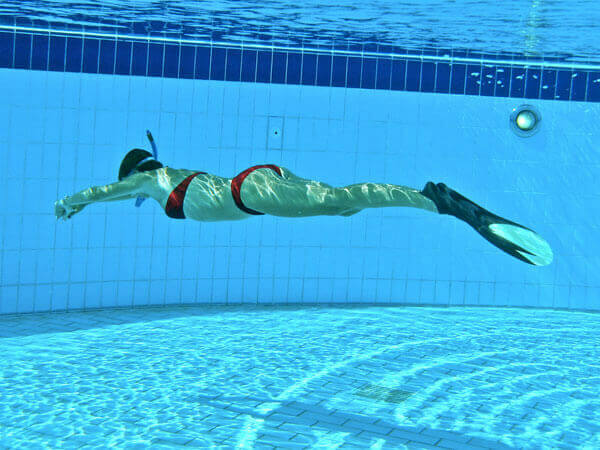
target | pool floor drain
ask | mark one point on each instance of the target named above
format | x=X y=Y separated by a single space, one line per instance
x=383 y=393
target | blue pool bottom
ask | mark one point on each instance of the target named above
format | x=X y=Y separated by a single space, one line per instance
x=370 y=377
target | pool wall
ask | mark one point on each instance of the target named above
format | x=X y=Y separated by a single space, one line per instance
x=65 y=131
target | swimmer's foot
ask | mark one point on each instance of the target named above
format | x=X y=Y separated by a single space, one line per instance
x=516 y=240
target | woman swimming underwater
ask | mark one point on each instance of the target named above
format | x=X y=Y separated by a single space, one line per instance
x=274 y=190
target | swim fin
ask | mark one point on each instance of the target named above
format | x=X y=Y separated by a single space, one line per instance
x=516 y=240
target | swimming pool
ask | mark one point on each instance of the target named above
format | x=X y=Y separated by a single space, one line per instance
x=391 y=327
x=287 y=377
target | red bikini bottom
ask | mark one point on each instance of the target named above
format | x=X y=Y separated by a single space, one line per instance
x=236 y=186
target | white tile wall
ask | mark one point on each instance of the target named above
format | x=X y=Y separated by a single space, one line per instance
x=62 y=132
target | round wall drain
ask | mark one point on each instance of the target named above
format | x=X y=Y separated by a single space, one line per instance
x=525 y=120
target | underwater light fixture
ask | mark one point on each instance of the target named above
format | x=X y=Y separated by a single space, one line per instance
x=525 y=120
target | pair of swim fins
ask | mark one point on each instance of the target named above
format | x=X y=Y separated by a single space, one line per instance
x=514 y=239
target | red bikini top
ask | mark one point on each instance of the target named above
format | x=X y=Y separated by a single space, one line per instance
x=174 y=206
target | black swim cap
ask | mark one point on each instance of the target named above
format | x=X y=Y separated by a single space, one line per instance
x=137 y=160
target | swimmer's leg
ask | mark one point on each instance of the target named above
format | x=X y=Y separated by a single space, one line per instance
x=381 y=195
x=510 y=237
x=293 y=196
x=357 y=197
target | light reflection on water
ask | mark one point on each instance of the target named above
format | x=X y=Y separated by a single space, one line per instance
x=530 y=28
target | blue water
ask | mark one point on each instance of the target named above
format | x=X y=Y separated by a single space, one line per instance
x=549 y=28
x=320 y=377
x=304 y=376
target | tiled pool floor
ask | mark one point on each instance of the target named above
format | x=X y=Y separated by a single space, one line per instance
x=298 y=377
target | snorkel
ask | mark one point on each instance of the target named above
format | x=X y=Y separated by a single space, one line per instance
x=140 y=200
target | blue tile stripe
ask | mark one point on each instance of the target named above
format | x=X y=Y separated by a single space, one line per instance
x=351 y=66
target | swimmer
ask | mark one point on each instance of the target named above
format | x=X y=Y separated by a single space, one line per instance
x=276 y=191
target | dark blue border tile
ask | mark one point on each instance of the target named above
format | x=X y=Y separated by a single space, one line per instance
x=156 y=28
x=72 y=27
x=171 y=64
x=427 y=76
x=370 y=48
x=532 y=83
x=57 y=53
x=385 y=49
x=354 y=72
x=369 y=69
x=293 y=68
x=488 y=80
x=23 y=21
x=475 y=54
x=139 y=28
x=279 y=67
x=156 y=54
x=249 y=65
x=517 y=82
x=139 y=58
x=39 y=52
x=202 y=63
x=341 y=46
x=384 y=73
x=309 y=69
x=413 y=75
x=123 y=58
x=489 y=56
x=457 y=78
x=354 y=47
x=548 y=84
x=266 y=38
x=442 y=78
x=74 y=54
x=398 y=74
x=40 y=24
x=503 y=74
x=187 y=61
x=107 y=56
x=338 y=71
x=473 y=80
x=263 y=66
x=22 y=51
x=507 y=56
x=217 y=64
x=234 y=64
x=444 y=53
x=563 y=85
x=593 y=89
x=108 y=25
x=324 y=66
x=7 y=43
x=74 y=58
x=91 y=49
x=578 y=85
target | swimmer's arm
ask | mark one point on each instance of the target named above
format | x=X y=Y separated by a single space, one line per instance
x=132 y=186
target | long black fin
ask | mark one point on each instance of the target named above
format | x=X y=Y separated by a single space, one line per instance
x=521 y=242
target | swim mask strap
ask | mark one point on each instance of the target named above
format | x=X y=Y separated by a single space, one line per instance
x=140 y=200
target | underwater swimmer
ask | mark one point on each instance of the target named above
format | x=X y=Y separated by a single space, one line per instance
x=274 y=190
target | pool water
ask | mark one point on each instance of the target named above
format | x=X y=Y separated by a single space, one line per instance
x=322 y=377
x=535 y=28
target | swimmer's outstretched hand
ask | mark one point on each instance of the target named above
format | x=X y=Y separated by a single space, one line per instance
x=63 y=210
